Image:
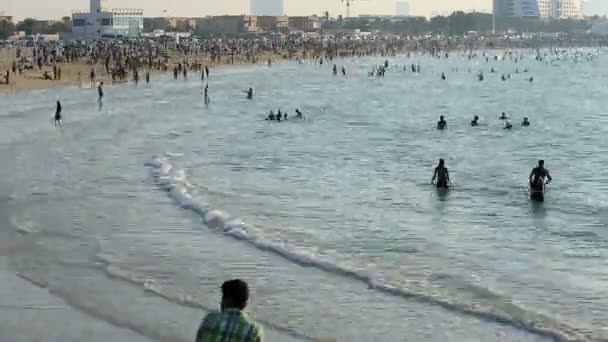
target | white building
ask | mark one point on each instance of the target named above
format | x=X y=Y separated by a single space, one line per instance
x=267 y=7
x=567 y=9
x=402 y=8
x=100 y=22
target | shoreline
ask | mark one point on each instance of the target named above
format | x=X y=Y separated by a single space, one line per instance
x=33 y=79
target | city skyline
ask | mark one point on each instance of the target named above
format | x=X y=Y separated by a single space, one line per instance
x=56 y=9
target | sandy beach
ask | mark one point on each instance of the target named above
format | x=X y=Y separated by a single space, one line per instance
x=76 y=74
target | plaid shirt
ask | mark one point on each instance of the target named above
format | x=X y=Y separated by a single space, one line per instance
x=231 y=325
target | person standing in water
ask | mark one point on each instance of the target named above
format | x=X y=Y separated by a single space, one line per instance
x=442 y=124
x=100 y=93
x=249 y=93
x=442 y=176
x=538 y=176
x=206 y=95
x=58 y=114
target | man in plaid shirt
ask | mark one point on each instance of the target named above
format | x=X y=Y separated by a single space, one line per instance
x=232 y=324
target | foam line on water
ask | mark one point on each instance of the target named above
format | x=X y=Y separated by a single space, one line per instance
x=175 y=183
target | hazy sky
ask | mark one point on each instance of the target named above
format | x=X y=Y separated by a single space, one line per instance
x=52 y=9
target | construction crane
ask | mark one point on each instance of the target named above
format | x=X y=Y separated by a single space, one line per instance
x=348 y=4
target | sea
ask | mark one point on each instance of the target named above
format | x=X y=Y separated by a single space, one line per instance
x=136 y=210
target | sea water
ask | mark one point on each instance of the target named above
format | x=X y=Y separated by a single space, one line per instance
x=136 y=212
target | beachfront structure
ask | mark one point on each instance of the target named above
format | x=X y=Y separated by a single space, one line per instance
x=227 y=25
x=267 y=23
x=402 y=8
x=6 y=18
x=267 y=7
x=543 y=9
x=100 y=22
x=306 y=23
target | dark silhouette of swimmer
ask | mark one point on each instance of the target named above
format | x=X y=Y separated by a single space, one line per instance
x=503 y=77
x=480 y=76
x=270 y=116
x=335 y=69
x=299 y=114
x=58 y=114
x=249 y=93
x=475 y=121
x=442 y=176
x=100 y=91
x=531 y=79
x=538 y=176
x=279 y=115
x=344 y=71
x=285 y=116
x=508 y=125
x=443 y=76
x=525 y=122
x=503 y=116
x=442 y=124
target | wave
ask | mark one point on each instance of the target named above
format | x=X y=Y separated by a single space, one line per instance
x=496 y=309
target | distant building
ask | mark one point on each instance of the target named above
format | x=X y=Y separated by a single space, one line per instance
x=7 y=18
x=402 y=8
x=227 y=25
x=182 y=24
x=100 y=21
x=272 y=23
x=544 y=9
x=267 y=7
x=304 y=23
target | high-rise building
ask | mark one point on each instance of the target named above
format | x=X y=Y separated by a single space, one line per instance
x=267 y=7
x=544 y=9
x=402 y=8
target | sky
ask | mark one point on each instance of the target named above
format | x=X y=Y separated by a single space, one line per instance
x=53 y=9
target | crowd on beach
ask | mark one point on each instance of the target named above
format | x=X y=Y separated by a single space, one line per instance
x=119 y=61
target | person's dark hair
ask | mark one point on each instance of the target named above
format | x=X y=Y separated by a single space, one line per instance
x=541 y=162
x=236 y=292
